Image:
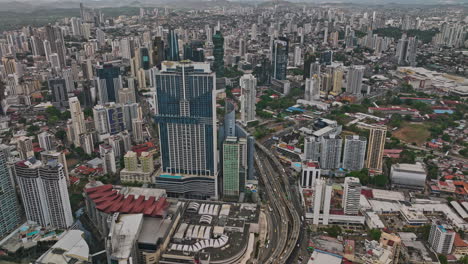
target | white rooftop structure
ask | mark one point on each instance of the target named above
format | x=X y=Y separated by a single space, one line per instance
x=71 y=248
x=408 y=175
x=382 y=207
x=373 y=221
x=321 y=257
x=123 y=235
x=452 y=217
x=209 y=209
x=459 y=209
x=202 y=244
x=387 y=195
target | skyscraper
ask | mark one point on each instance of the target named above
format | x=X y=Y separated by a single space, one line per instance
x=310 y=173
x=297 y=56
x=354 y=80
x=377 y=136
x=312 y=88
x=25 y=147
x=60 y=157
x=330 y=152
x=312 y=148
x=186 y=117
x=59 y=92
x=56 y=194
x=9 y=207
x=157 y=52
x=248 y=84
x=144 y=58
x=194 y=51
x=441 y=239
x=406 y=50
x=354 y=152
x=77 y=118
x=351 y=195
x=108 y=81
x=108 y=157
x=127 y=96
x=326 y=57
x=234 y=166
x=46 y=141
x=280 y=58
x=137 y=130
x=109 y=118
x=229 y=120
x=172 y=53
x=44 y=193
x=322 y=202
x=337 y=80
x=218 y=53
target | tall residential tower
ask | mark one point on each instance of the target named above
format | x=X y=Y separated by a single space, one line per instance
x=186 y=117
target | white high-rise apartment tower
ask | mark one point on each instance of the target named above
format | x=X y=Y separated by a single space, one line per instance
x=312 y=88
x=354 y=152
x=248 y=85
x=44 y=193
x=354 y=80
x=351 y=195
x=46 y=141
x=77 y=118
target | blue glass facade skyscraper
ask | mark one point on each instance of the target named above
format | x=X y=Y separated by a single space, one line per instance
x=280 y=58
x=109 y=81
x=186 y=116
x=9 y=207
x=172 y=53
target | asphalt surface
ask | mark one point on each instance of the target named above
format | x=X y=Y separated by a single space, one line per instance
x=285 y=219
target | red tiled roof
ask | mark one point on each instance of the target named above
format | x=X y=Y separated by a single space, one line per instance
x=367 y=193
x=392 y=151
x=392 y=108
x=110 y=200
x=459 y=242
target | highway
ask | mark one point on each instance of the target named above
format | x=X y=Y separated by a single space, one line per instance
x=287 y=221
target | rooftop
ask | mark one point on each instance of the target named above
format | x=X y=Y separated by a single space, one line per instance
x=134 y=200
x=71 y=248
x=127 y=228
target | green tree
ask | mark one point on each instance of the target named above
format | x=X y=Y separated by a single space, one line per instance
x=463 y=260
x=61 y=134
x=380 y=180
x=464 y=152
x=52 y=120
x=375 y=234
x=432 y=170
x=445 y=137
x=362 y=175
x=407 y=156
x=88 y=112
x=423 y=108
x=334 y=231
x=425 y=230
x=33 y=128
x=65 y=115
x=443 y=259
x=395 y=120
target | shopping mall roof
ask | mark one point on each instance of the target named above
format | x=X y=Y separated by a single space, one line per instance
x=109 y=199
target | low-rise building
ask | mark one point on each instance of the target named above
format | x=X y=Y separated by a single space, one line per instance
x=412 y=176
x=71 y=248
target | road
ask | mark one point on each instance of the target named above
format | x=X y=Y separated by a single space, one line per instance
x=438 y=153
x=287 y=221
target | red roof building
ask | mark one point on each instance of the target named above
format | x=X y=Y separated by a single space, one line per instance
x=107 y=199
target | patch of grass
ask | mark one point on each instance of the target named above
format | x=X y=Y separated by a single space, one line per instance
x=413 y=133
